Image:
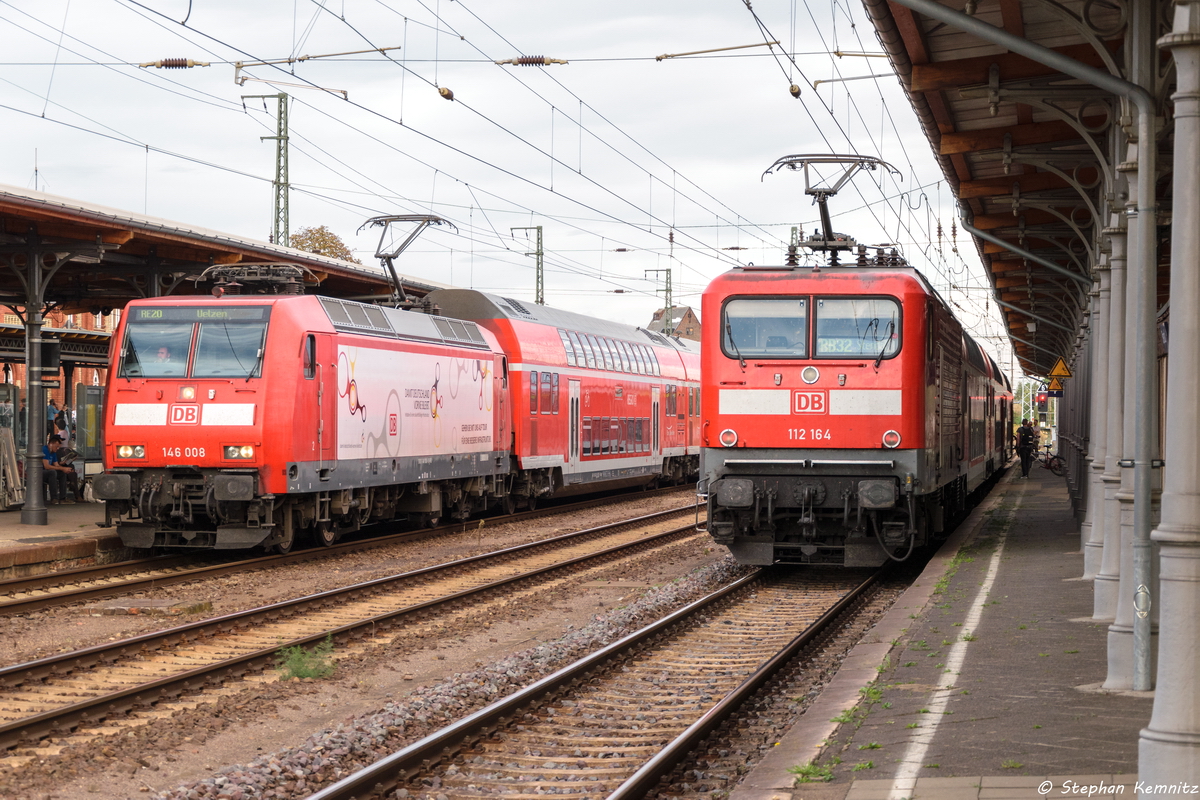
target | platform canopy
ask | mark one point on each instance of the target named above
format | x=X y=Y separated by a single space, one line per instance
x=114 y=256
x=1033 y=155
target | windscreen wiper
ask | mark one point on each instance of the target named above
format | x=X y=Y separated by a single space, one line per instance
x=887 y=340
x=742 y=361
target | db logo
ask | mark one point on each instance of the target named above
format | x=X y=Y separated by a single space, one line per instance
x=185 y=415
x=809 y=403
x=393 y=425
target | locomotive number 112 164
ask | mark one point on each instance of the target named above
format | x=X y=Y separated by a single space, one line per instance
x=809 y=434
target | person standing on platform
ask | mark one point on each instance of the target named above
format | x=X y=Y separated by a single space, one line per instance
x=51 y=413
x=1027 y=439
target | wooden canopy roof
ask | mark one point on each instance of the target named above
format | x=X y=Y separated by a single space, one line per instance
x=1030 y=152
x=107 y=257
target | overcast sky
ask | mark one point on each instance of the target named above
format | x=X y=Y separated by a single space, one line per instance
x=613 y=150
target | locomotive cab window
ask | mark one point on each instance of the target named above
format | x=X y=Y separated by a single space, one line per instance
x=229 y=342
x=857 y=327
x=765 y=327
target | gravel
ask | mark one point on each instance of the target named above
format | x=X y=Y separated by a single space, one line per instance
x=334 y=753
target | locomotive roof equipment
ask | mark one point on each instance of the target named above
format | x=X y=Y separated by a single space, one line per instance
x=826 y=240
x=387 y=255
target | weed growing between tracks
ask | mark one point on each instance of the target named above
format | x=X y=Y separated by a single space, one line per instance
x=296 y=662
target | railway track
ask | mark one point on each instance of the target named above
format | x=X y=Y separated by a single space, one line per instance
x=616 y=723
x=52 y=697
x=85 y=584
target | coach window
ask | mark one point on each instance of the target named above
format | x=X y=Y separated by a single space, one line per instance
x=567 y=348
x=593 y=348
x=580 y=355
x=605 y=433
x=554 y=393
x=310 y=356
x=627 y=357
x=587 y=436
x=618 y=434
x=533 y=392
x=857 y=327
x=610 y=361
x=547 y=396
x=655 y=367
x=588 y=359
x=770 y=327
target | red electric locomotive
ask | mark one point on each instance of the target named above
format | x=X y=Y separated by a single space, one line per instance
x=246 y=420
x=243 y=421
x=847 y=415
x=596 y=404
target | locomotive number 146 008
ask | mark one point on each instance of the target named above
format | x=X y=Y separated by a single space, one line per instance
x=809 y=434
x=187 y=452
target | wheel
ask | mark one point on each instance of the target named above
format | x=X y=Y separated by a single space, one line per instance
x=1057 y=466
x=325 y=533
x=531 y=503
x=285 y=546
x=509 y=504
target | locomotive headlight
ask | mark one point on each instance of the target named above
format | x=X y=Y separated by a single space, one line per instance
x=239 y=451
x=187 y=393
x=810 y=374
x=131 y=451
x=728 y=437
x=891 y=440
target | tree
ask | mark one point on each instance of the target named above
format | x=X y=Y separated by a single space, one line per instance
x=322 y=241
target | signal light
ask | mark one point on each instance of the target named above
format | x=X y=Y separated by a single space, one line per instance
x=891 y=440
x=728 y=437
x=1042 y=401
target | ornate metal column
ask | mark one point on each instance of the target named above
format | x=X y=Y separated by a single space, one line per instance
x=1104 y=604
x=1092 y=530
x=1169 y=750
x=33 y=512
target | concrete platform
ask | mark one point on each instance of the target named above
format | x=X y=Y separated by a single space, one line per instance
x=983 y=677
x=73 y=538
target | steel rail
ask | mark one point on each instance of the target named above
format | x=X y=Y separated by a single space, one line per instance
x=48 y=581
x=385 y=775
x=661 y=765
x=60 y=721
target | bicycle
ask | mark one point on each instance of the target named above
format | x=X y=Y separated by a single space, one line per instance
x=1053 y=462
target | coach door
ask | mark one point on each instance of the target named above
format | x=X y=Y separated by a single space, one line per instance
x=655 y=424
x=576 y=427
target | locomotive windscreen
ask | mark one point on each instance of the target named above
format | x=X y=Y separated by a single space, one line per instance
x=773 y=327
x=194 y=341
x=857 y=326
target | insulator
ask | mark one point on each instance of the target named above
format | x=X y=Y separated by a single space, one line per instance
x=446 y=93
x=793 y=259
x=862 y=256
x=879 y=257
x=531 y=61
x=795 y=90
x=174 y=63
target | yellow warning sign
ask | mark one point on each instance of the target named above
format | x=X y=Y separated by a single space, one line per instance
x=1060 y=370
x=1055 y=385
